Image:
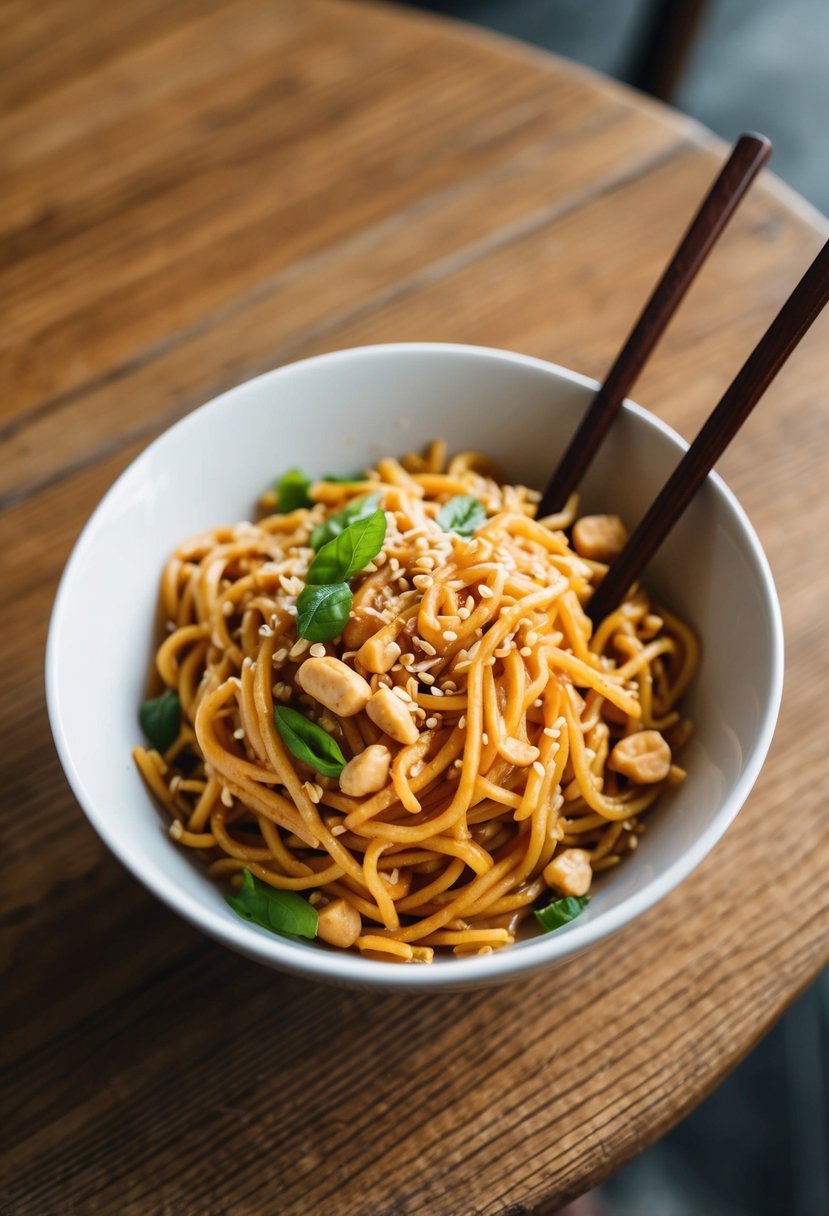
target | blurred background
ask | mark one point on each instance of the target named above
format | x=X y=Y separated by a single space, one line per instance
x=759 y=1146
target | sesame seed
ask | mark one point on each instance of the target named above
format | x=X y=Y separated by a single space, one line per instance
x=228 y=608
x=485 y=591
x=550 y=732
x=427 y=678
x=339 y=830
x=176 y=830
x=265 y=631
x=421 y=544
x=403 y=584
x=394 y=564
x=463 y=614
x=470 y=602
x=226 y=796
x=437 y=692
x=485 y=738
x=299 y=647
x=393 y=877
x=449 y=686
x=317 y=650
x=426 y=647
x=537 y=703
x=406 y=659
x=525 y=652
x=458 y=764
x=401 y=693
x=247 y=661
x=423 y=581
x=538 y=767
x=449 y=635
x=280 y=655
x=431 y=723
x=462 y=722
x=633 y=843
x=239 y=733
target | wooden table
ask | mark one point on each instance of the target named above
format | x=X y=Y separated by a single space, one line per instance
x=198 y=191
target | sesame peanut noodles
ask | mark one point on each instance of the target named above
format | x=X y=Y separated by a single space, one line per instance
x=495 y=751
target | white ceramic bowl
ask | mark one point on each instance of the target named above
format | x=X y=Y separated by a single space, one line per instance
x=338 y=412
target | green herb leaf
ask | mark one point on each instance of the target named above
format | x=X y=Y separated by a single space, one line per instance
x=160 y=720
x=292 y=491
x=561 y=912
x=360 y=508
x=308 y=742
x=322 y=611
x=462 y=514
x=346 y=554
x=278 y=911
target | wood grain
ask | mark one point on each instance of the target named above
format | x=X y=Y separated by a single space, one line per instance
x=196 y=192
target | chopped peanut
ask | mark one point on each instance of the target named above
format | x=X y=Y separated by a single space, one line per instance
x=569 y=872
x=644 y=757
x=339 y=923
x=599 y=538
x=518 y=751
x=367 y=772
x=378 y=654
x=334 y=685
x=391 y=715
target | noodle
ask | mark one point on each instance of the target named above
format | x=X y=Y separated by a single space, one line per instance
x=531 y=744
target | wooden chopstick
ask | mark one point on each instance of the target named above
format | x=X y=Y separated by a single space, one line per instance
x=748 y=156
x=795 y=317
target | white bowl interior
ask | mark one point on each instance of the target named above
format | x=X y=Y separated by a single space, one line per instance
x=337 y=413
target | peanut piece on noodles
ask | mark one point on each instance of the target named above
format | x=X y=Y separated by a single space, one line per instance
x=644 y=757
x=599 y=538
x=334 y=685
x=367 y=772
x=391 y=715
x=339 y=923
x=569 y=872
x=517 y=751
x=378 y=654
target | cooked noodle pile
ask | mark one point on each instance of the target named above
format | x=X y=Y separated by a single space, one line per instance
x=500 y=752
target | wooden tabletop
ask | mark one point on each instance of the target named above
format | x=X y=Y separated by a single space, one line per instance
x=192 y=193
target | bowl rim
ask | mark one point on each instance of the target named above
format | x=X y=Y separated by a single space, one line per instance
x=341 y=967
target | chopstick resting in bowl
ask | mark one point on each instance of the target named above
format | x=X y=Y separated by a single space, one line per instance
x=803 y=306
x=748 y=156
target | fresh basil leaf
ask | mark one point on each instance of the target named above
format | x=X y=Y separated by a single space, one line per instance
x=462 y=514
x=292 y=491
x=160 y=720
x=278 y=911
x=346 y=554
x=322 y=611
x=360 y=508
x=561 y=912
x=308 y=742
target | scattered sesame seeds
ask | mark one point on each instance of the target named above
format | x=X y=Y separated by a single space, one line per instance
x=427 y=678
x=339 y=830
x=421 y=544
x=537 y=703
x=538 y=767
x=394 y=564
x=437 y=692
x=449 y=686
x=175 y=782
x=282 y=691
x=426 y=647
x=317 y=650
x=525 y=652
x=462 y=722
x=423 y=581
x=458 y=763
x=431 y=723
x=403 y=584
x=394 y=876
x=449 y=635
x=247 y=661
x=406 y=659
x=226 y=797
x=485 y=738
x=280 y=655
x=176 y=830
x=401 y=693
x=299 y=647
x=485 y=591
x=239 y=733
x=470 y=602
x=265 y=631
